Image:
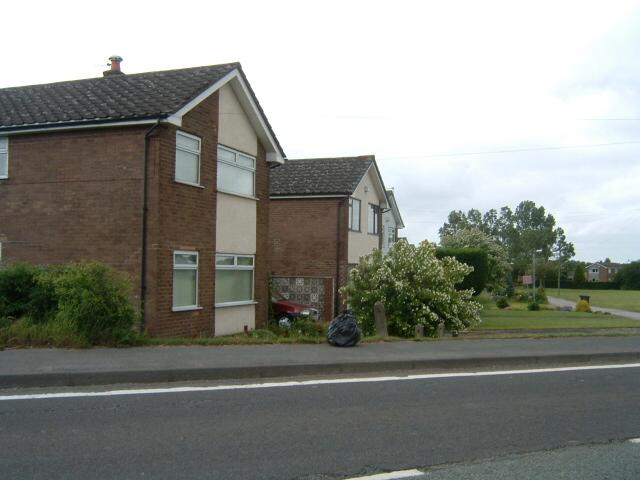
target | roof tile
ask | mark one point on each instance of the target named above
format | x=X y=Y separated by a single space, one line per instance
x=319 y=176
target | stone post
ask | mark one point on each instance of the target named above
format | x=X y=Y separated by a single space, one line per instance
x=380 y=319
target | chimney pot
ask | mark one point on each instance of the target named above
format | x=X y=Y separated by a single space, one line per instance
x=115 y=66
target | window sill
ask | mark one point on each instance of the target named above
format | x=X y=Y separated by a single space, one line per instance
x=197 y=185
x=227 y=192
x=235 y=304
x=355 y=231
x=185 y=309
x=373 y=234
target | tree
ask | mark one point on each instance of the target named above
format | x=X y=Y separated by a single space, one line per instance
x=521 y=232
x=628 y=277
x=563 y=250
x=579 y=275
x=416 y=288
x=471 y=237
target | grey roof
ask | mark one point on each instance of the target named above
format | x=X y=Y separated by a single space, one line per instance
x=114 y=98
x=320 y=176
x=394 y=208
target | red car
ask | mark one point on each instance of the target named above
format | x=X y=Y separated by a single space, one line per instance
x=286 y=310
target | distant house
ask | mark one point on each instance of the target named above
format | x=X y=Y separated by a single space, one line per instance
x=325 y=214
x=162 y=175
x=391 y=223
x=602 y=271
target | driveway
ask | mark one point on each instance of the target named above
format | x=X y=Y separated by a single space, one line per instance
x=559 y=302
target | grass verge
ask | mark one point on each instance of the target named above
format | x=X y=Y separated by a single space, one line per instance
x=621 y=299
x=517 y=317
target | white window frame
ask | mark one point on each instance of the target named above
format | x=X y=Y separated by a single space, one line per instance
x=197 y=152
x=352 y=200
x=186 y=267
x=236 y=165
x=375 y=228
x=5 y=151
x=235 y=266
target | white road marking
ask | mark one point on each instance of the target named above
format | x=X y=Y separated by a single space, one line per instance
x=634 y=440
x=332 y=381
x=391 y=475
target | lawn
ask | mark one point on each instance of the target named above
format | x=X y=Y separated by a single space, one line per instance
x=519 y=318
x=622 y=299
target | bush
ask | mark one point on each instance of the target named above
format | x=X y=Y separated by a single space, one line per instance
x=17 y=284
x=628 y=277
x=583 y=306
x=498 y=267
x=86 y=303
x=502 y=302
x=307 y=327
x=533 y=306
x=526 y=296
x=473 y=257
x=95 y=301
x=415 y=287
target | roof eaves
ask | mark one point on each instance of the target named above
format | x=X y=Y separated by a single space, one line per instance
x=77 y=124
x=384 y=189
x=235 y=73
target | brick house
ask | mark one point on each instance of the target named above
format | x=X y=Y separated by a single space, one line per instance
x=325 y=214
x=162 y=175
x=391 y=223
x=602 y=271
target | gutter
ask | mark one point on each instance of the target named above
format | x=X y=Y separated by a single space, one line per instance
x=145 y=215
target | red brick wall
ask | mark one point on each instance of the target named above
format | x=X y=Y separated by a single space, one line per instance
x=79 y=196
x=75 y=196
x=262 y=239
x=182 y=217
x=308 y=238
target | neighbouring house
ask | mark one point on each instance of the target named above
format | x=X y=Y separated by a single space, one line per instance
x=162 y=175
x=325 y=214
x=602 y=271
x=391 y=223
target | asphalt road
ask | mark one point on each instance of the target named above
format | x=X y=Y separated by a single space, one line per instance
x=318 y=431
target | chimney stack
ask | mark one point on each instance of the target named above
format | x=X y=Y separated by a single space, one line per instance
x=115 y=66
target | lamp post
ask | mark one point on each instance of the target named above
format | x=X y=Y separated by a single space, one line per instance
x=534 y=273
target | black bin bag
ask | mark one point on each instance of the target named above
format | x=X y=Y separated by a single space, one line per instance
x=343 y=330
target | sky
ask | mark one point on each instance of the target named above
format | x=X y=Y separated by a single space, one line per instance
x=465 y=104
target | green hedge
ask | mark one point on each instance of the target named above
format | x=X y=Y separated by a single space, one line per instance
x=89 y=301
x=585 y=285
x=628 y=277
x=474 y=257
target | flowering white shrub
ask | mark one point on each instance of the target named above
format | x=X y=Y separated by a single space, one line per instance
x=416 y=289
x=499 y=267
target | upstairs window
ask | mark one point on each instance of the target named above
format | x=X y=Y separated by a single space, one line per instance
x=187 y=159
x=4 y=157
x=374 y=219
x=236 y=172
x=354 y=214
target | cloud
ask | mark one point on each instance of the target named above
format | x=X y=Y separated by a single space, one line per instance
x=405 y=81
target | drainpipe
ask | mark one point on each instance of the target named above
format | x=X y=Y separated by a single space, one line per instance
x=145 y=209
x=336 y=301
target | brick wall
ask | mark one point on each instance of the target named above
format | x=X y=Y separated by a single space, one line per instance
x=308 y=238
x=79 y=196
x=262 y=239
x=75 y=196
x=182 y=217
